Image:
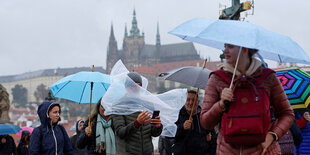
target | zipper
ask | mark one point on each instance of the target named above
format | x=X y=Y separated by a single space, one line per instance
x=54 y=139
x=142 y=138
x=231 y=117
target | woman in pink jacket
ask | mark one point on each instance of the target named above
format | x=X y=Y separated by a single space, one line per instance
x=217 y=92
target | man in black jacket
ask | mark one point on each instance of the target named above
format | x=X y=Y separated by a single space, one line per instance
x=78 y=127
x=191 y=138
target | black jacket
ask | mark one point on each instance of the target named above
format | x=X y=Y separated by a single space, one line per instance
x=192 y=141
x=22 y=148
x=74 y=138
x=9 y=147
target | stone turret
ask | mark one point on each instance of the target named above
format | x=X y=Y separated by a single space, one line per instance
x=157 y=36
x=132 y=45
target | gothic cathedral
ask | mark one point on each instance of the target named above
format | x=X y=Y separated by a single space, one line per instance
x=136 y=52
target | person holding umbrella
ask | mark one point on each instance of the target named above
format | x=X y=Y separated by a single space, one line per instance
x=191 y=138
x=78 y=128
x=50 y=137
x=102 y=139
x=217 y=94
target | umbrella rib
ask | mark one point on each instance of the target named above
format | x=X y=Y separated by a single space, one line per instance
x=83 y=92
x=280 y=58
x=62 y=87
x=104 y=87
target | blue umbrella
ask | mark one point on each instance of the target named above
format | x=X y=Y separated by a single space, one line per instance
x=82 y=87
x=7 y=128
x=77 y=87
x=215 y=33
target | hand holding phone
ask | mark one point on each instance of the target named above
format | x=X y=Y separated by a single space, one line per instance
x=155 y=114
x=156 y=121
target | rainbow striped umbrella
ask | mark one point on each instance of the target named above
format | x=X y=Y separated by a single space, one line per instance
x=296 y=86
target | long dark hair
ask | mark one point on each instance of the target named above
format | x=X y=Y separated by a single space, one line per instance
x=251 y=52
x=95 y=111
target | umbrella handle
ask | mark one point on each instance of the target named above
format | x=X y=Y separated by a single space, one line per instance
x=196 y=96
x=91 y=94
x=195 y=100
x=226 y=102
x=90 y=126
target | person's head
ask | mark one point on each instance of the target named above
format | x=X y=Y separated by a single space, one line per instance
x=25 y=137
x=99 y=109
x=80 y=125
x=54 y=113
x=231 y=53
x=135 y=77
x=190 y=100
x=3 y=138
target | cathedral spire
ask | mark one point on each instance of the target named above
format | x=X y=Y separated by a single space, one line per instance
x=157 y=36
x=125 y=34
x=134 y=28
x=112 y=46
x=112 y=37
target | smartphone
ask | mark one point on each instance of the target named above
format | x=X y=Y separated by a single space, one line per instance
x=155 y=114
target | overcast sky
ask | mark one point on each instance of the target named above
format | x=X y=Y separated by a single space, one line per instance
x=44 y=34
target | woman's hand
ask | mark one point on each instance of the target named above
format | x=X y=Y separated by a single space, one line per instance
x=144 y=117
x=267 y=143
x=227 y=94
x=156 y=122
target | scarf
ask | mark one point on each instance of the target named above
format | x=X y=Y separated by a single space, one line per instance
x=105 y=138
x=255 y=64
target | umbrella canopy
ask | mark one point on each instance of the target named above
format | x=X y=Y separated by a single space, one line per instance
x=77 y=87
x=7 y=128
x=296 y=86
x=30 y=129
x=215 y=33
x=189 y=75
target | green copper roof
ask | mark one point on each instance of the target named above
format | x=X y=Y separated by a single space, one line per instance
x=134 y=27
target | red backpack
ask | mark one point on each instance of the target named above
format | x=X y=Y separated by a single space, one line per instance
x=247 y=120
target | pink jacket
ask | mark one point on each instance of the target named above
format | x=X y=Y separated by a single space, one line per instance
x=211 y=113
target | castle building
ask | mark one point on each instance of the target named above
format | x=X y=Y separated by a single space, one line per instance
x=47 y=77
x=136 y=53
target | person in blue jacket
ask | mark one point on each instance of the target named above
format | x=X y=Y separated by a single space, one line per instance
x=304 y=147
x=50 y=138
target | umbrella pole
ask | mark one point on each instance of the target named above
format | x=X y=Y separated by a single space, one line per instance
x=91 y=94
x=233 y=77
x=196 y=96
x=226 y=102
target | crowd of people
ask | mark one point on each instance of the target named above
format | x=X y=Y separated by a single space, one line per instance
x=218 y=127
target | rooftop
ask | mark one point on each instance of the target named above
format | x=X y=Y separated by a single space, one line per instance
x=48 y=72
